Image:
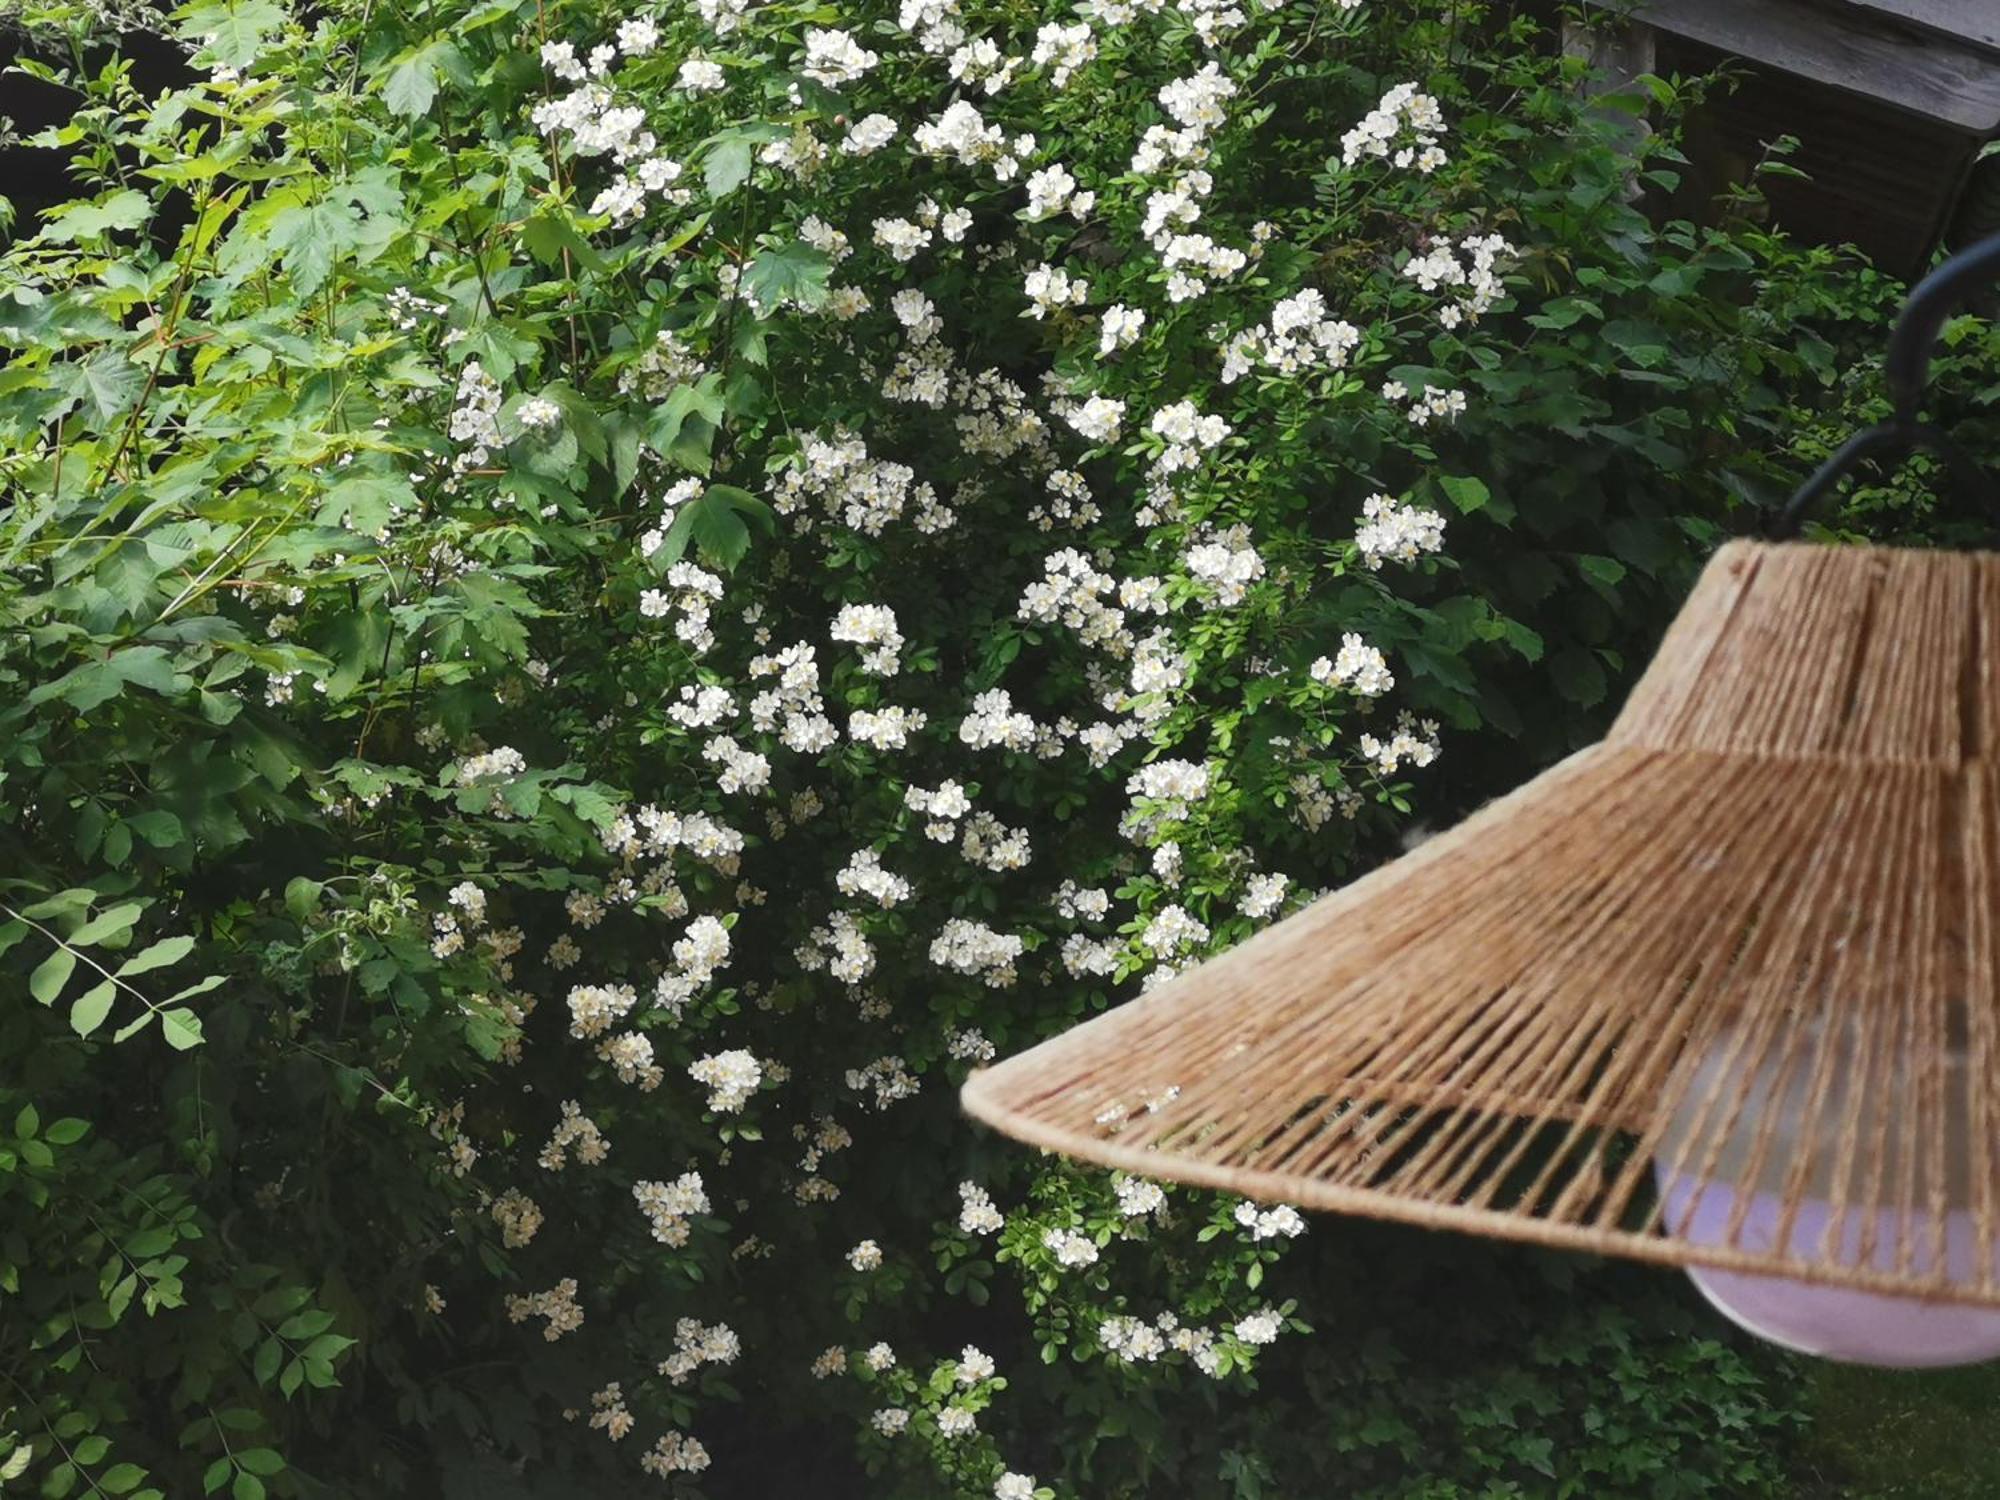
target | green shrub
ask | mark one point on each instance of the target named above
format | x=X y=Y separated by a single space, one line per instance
x=456 y=591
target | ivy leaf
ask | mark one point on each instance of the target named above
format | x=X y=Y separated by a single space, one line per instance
x=90 y=1008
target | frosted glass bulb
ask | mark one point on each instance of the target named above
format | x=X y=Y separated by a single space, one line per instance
x=1832 y=1322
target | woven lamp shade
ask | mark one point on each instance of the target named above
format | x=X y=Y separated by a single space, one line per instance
x=1747 y=942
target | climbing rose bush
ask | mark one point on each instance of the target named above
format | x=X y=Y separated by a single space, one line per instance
x=645 y=591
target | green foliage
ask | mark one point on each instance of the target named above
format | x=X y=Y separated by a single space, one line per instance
x=376 y=503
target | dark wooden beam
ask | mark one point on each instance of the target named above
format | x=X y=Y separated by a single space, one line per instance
x=1976 y=22
x=1841 y=46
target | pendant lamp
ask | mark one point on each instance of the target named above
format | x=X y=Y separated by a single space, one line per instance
x=1718 y=992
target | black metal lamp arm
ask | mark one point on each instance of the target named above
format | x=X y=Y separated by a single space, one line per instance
x=1907 y=372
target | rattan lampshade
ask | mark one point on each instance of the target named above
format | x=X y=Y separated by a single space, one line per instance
x=1731 y=969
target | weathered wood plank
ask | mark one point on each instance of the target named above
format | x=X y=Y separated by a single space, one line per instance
x=1974 y=21
x=1840 y=47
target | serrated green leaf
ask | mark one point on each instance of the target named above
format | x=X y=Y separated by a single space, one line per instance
x=70 y=222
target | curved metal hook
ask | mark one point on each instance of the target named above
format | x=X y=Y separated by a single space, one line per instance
x=1906 y=371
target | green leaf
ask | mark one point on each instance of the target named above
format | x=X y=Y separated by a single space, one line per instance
x=108 y=923
x=233 y=30
x=796 y=273
x=27 y=1122
x=412 y=83
x=88 y=1011
x=182 y=1028
x=728 y=165
x=50 y=975
x=107 y=383
x=302 y=896
x=265 y=1365
x=125 y=209
x=119 y=1478
x=66 y=1132
x=1578 y=676
x=311 y=237
x=1464 y=491
x=157 y=955
x=261 y=1460
x=12 y=932
x=247 y=1486
x=1604 y=570
x=548 y=233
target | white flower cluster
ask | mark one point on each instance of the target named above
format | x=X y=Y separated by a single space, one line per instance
x=558 y=1305
x=977 y=1215
x=993 y=721
x=1050 y=289
x=695 y=591
x=1476 y=280
x=669 y=1205
x=838 y=477
x=1187 y=434
x=863 y=875
x=574 y=1131
x=699 y=952
x=1357 y=666
x=944 y=807
x=834 y=58
x=873 y=628
x=1299 y=336
x=741 y=770
x=866 y=1256
x=518 y=1217
x=1403 y=127
x=886 y=1078
x=968 y=947
x=1173 y=930
x=1262 y=895
x=1138 y=1197
x=1228 y=565
x=1396 y=533
x=1279 y=1222
x=676 y=1453
x=697 y=1344
x=595 y=1008
x=1432 y=404
x=992 y=845
x=730 y=1078
x=1415 y=742
x=1072 y=1250
x=1063 y=50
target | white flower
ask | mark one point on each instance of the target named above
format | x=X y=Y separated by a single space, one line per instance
x=638 y=36
x=1282 y=1221
x=1396 y=533
x=538 y=413
x=730 y=1077
x=1097 y=419
x=1259 y=1327
x=866 y=1256
x=977 y=1215
x=879 y=1357
x=1359 y=666
x=890 y=1421
x=1137 y=1197
x=867 y=136
x=1062 y=50
x=1262 y=895
x=700 y=76
x=1012 y=1486
x=835 y=58
x=974 y=1365
x=873 y=626
x=1050 y=288
x=1119 y=329
x=956 y=1421
x=1071 y=1249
